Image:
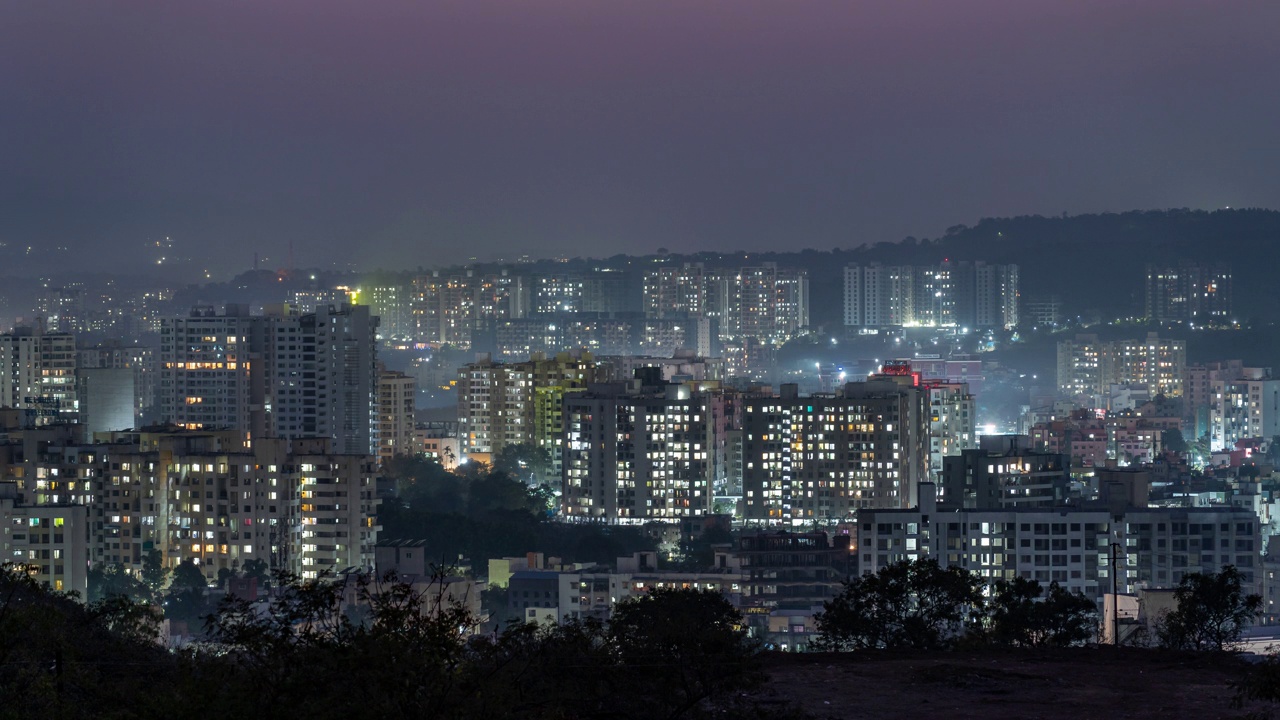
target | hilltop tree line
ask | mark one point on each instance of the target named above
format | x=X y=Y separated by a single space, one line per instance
x=919 y=604
x=323 y=648
x=1093 y=262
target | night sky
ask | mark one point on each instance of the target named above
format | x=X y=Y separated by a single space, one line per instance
x=419 y=133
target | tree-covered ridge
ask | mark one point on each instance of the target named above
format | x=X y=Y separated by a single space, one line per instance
x=371 y=647
x=1094 y=262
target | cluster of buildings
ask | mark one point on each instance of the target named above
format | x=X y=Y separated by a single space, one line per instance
x=776 y=580
x=1084 y=547
x=742 y=314
x=1090 y=369
x=1093 y=439
x=77 y=308
x=1224 y=401
x=1001 y=510
x=53 y=379
x=948 y=295
x=211 y=498
x=633 y=440
x=1192 y=293
x=244 y=437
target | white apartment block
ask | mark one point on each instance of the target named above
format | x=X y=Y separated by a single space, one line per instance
x=38 y=374
x=203 y=498
x=397 y=401
x=952 y=422
x=636 y=454
x=1154 y=547
x=1247 y=406
x=963 y=294
x=1089 y=367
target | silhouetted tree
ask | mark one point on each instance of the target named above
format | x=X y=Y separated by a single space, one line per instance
x=154 y=573
x=188 y=575
x=1210 y=613
x=115 y=580
x=684 y=647
x=1019 y=615
x=911 y=603
x=1172 y=440
x=258 y=569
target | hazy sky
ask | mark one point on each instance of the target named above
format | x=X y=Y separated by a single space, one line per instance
x=423 y=132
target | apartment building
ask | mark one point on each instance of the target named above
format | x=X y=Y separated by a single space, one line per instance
x=38 y=374
x=1088 y=367
x=952 y=422
x=397 y=401
x=822 y=457
x=959 y=295
x=281 y=374
x=1243 y=406
x=637 y=452
x=46 y=541
x=1073 y=546
x=502 y=404
x=203 y=497
x=1005 y=473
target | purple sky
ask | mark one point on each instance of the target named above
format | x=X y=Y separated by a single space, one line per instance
x=423 y=132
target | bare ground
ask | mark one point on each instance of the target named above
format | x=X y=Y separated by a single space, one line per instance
x=1074 y=684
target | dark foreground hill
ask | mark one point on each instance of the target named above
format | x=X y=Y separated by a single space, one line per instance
x=1060 y=684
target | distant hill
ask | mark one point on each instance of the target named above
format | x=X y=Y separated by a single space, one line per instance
x=1095 y=263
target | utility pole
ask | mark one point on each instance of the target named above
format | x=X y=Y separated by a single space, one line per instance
x=1115 y=598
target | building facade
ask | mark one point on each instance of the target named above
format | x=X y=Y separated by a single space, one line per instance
x=635 y=453
x=397 y=401
x=280 y=374
x=823 y=457
x=38 y=374
x=959 y=295
x=1152 y=547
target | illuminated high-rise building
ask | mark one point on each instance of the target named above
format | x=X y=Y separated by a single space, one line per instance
x=952 y=421
x=446 y=307
x=1189 y=292
x=212 y=370
x=277 y=375
x=38 y=374
x=678 y=292
x=1244 y=404
x=557 y=293
x=1088 y=367
x=397 y=400
x=500 y=404
x=638 y=452
x=951 y=294
x=823 y=457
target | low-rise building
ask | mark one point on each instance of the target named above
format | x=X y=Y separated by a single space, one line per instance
x=1006 y=477
x=1077 y=547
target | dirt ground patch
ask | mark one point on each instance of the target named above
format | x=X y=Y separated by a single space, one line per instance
x=1071 y=684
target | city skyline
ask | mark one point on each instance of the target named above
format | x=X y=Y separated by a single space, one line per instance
x=399 y=133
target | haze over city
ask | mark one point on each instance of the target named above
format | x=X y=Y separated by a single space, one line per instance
x=408 y=133
x=635 y=359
